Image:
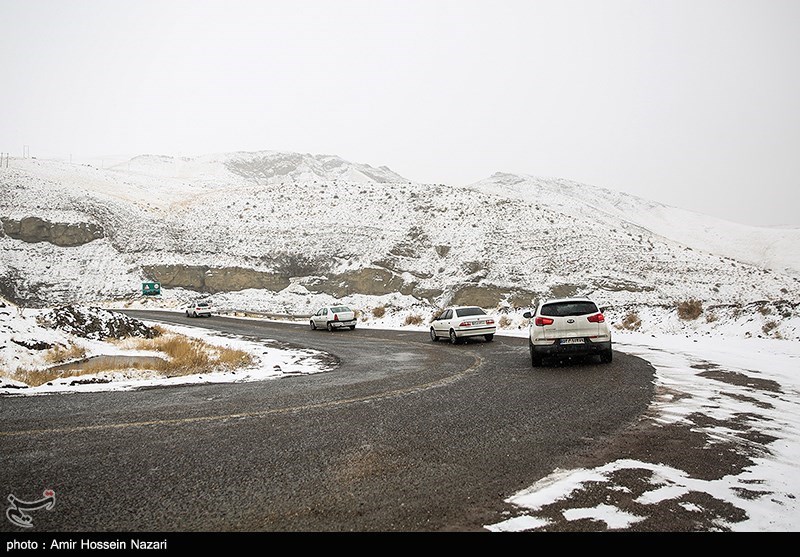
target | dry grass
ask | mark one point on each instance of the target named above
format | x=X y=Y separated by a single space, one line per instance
x=689 y=310
x=504 y=322
x=414 y=319
x=184 y=356
x=60 y=354
x=35 y=377
x=189 y=355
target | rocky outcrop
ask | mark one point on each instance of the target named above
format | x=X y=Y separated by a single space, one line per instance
x=371 y=281
x=96 y=323
x=35 y=229
x=489 y=296
x=210 y=280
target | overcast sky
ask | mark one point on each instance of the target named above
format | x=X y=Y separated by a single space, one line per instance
x=693 y=103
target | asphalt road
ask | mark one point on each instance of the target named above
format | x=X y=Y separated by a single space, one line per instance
x=403 y=435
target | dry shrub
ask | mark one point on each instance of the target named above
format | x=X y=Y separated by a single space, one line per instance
x=414 y=319
x=769 y=326
x=504 y=322
x=631 y=321
x=379 y=311
x=689 y=310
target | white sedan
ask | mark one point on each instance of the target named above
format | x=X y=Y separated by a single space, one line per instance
x=333 y=317
x=459 y=322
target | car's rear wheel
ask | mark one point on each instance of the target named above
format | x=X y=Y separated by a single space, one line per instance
x=453 y=337
x=536 y=359
x=313 y=325
x=352 y=327
x=488 y=338
x=434 y=338
x=194 y=314
x=330 y=327
x=606 y=357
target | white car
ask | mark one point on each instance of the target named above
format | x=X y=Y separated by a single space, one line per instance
x=199 y=309
x=460 y=322
x=568 y=326
x=333 y=317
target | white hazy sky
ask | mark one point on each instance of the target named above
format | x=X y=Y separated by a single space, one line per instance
x=694 y=103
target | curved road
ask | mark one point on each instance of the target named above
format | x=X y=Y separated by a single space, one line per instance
x=404 y=434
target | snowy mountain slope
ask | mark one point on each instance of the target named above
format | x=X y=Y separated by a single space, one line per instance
x=259 y=167
x=773 y=248
x=258 y=241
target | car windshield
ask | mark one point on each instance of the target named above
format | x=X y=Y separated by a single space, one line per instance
x=464 y=312
x=563 y=309
x=340 y=309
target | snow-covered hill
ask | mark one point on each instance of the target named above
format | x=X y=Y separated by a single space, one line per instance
x=768 y=247
x=285 y=232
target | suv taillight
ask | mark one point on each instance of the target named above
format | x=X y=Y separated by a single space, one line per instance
x=542 y=321
x=336 y=317
x=596 y=318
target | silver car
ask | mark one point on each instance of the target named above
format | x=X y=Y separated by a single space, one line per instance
x=570 y=327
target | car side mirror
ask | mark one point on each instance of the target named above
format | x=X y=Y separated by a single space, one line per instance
x=527 y=315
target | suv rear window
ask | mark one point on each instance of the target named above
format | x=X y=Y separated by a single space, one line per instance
x=563 y=309
x=340 y=309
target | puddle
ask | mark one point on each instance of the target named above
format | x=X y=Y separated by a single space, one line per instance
x=110 y=362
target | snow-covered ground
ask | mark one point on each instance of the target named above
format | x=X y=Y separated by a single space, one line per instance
x=688 y=390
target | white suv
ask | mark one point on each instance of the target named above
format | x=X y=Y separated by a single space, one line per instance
x=568 y=326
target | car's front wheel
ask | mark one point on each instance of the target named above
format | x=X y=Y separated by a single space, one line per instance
x=453 y=337
x=434 y=338
x=313 y=325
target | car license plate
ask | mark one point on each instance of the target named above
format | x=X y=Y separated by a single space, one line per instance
x=571 y=341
